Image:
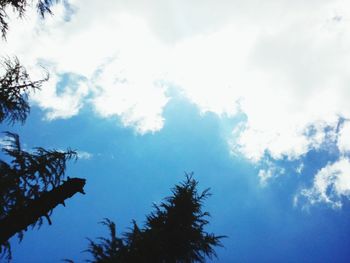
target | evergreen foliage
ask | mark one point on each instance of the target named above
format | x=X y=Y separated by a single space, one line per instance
x=31 y=183
x=173 y=232
x=19 y=218
x=15 y=86
x=26 y=176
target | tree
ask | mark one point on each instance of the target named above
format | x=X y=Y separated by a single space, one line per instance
x=31 y=183
x=15 y=86
x=20 y=218
x=31 y=186
x=174 y=232
x=19 y=7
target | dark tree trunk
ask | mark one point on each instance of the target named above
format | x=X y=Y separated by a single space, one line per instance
x=19 y=219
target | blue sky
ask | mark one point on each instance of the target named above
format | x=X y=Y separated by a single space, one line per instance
x=128 y=172
x=253 y=98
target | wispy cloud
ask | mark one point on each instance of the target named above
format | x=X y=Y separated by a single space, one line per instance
x=84 y=155
x=331 y=184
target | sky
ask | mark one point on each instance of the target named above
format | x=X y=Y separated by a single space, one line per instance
x=251 y=96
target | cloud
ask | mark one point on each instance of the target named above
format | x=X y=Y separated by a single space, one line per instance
x=61 y=105
x=117 y=60
x=124 y=89
x=84 y=155
x=330 y=185
x=271 y=171
x=343 y=142
x=283 y=65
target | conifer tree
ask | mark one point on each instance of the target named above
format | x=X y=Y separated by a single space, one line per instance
x=31 y=182
x=173 y=232
x=15 y=87
x=31 y=186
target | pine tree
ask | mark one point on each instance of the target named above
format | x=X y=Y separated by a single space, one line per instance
x=174 y=232
x=31 y=186
x=15 y=87
x=32 y=183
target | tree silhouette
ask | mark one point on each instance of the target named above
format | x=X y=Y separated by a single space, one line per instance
x=109 y=250
x=30 y=187
x=15 y=86
x=20 y=218
x=19 y=7
x=31 y=183
x=174 y=232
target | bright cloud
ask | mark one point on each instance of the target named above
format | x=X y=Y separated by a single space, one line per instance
x=344 y=138
x=285 y=66
x=63 y=105
x=330 y=184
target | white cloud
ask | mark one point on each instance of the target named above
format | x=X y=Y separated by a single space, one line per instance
x=265 y=175
x=64 y=105
x=274 y=65
x=84 y=155
x=117 y=58
x=129 y=88
x=284 y=64
x=271 y=172
x=330 y=184
x=344 y=138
